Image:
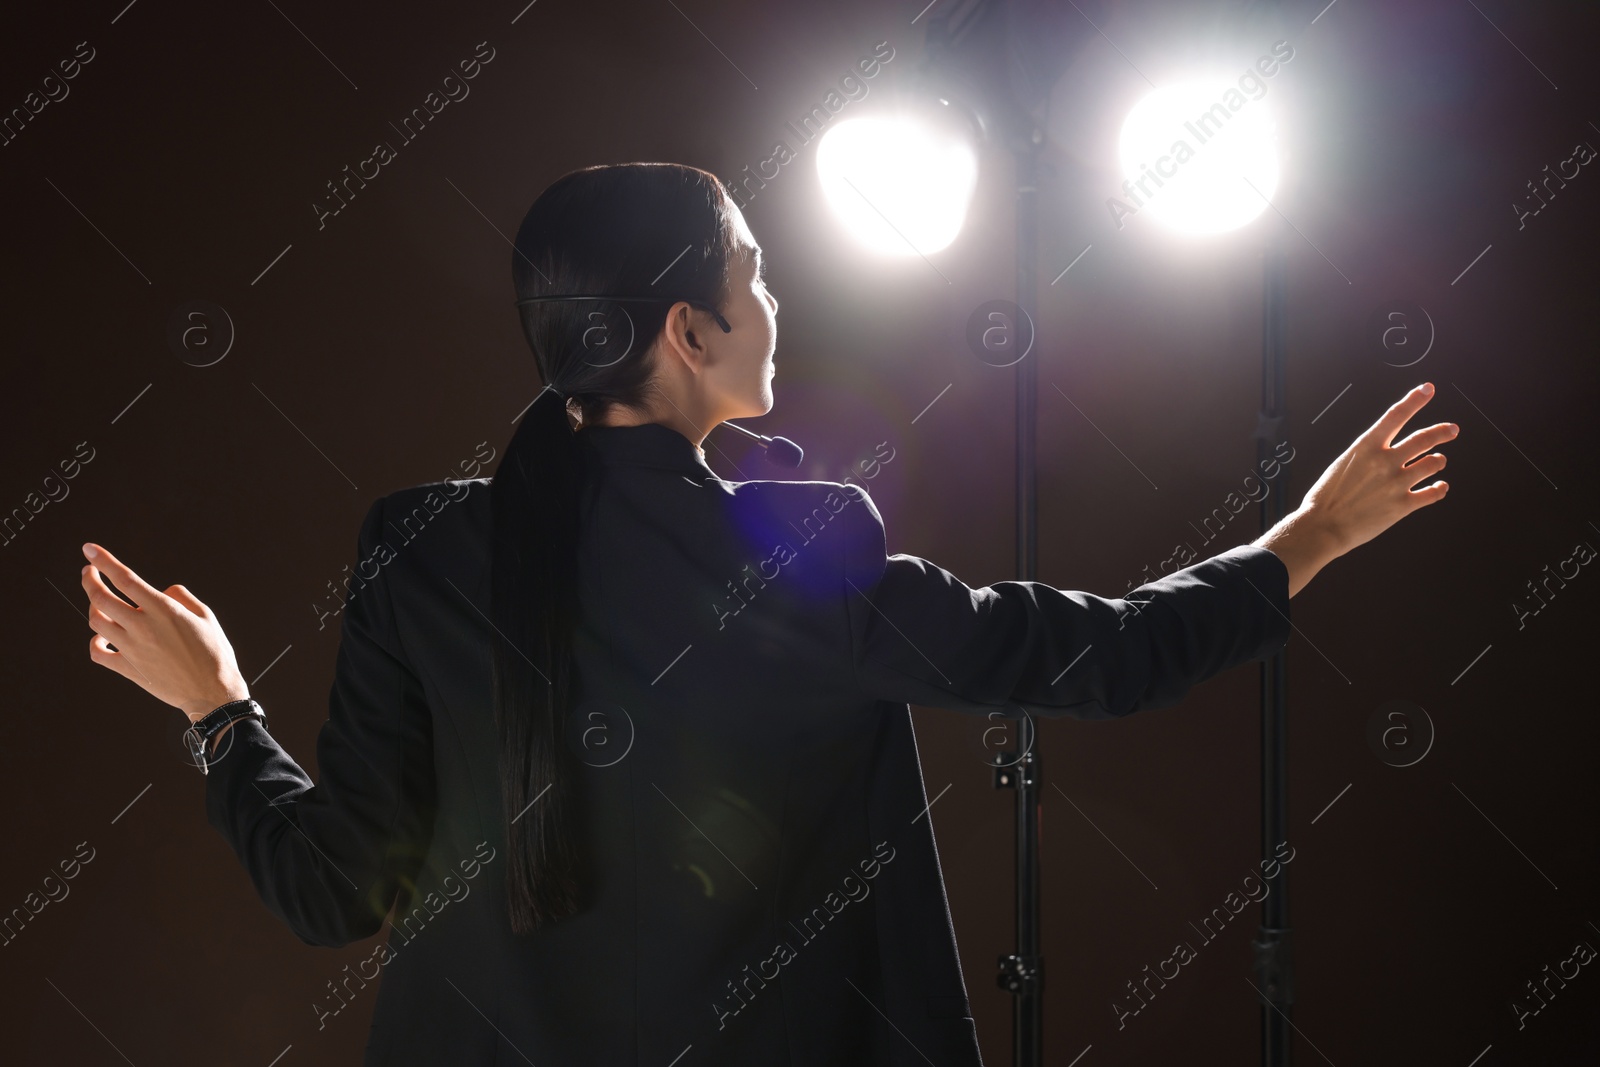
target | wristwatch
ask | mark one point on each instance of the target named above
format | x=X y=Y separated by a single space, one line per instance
x=198 y=737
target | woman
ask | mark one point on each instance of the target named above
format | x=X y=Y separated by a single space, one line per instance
x=626 y=746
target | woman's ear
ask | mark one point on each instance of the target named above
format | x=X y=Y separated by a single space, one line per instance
x=681 y=342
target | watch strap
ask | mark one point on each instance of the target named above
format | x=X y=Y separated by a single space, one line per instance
x=199 y=736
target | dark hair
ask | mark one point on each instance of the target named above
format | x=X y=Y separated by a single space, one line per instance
x=629 y=229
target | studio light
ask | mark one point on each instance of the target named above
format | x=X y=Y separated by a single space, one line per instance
x=899 y=186
x=1200 y=157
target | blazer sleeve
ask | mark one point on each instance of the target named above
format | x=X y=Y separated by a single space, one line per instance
x=329 y=858
x=919 y=635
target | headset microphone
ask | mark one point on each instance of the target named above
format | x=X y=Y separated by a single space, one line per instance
x=780 y=450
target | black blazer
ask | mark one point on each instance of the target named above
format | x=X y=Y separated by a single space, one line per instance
x=766 y=886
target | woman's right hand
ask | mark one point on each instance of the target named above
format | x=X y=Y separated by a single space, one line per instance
x=1366 y=490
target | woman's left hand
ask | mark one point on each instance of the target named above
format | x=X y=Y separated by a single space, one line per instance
x=167 y=641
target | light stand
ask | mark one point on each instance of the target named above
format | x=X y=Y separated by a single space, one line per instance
x=1274 y=964
x=969 y=55
x=1022 y=972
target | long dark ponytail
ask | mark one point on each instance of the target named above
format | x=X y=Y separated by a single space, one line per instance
x=633 y=229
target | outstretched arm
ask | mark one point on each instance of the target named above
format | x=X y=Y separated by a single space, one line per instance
x=919 y=635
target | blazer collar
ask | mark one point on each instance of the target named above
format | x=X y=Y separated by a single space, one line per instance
x=648 y=444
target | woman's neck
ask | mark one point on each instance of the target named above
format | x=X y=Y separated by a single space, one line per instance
x=673 y=419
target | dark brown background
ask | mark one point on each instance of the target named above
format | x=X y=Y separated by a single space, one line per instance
x=379 y=352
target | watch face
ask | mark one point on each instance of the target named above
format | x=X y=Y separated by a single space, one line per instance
x=198 y=735
x=196 y=747
x=182 y=739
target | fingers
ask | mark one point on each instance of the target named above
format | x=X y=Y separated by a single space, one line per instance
x=1431 y=494
x=101 y=652
x=1426 y=467
x=101 y=623
x=1400 y=413
x=181 y=594
x=106 y=657
x=137 y=590
x=1417 y=443
x=104 y=600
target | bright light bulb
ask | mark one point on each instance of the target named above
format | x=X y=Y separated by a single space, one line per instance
x=1199 y=157
x=899 y=187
